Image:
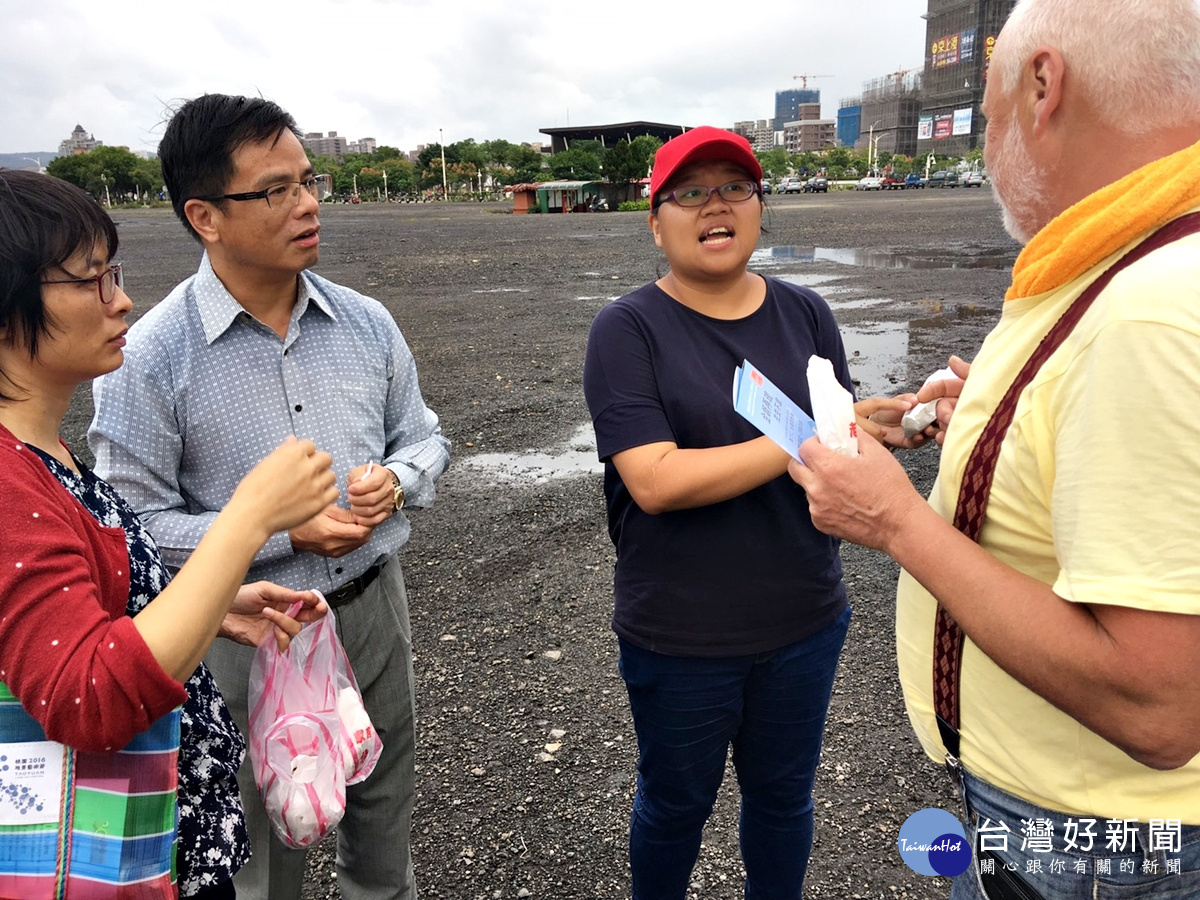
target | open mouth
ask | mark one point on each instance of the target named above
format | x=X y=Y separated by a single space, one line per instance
x=716 y=236
x=307 y=235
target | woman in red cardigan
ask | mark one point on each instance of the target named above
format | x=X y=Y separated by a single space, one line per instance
x=96 y=640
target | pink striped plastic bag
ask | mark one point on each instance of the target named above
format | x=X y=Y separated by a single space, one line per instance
x=309 y=733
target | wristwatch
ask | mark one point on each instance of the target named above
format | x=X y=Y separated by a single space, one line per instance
x=397 y=492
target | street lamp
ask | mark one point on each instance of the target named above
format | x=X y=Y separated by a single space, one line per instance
x=871 y=147
x=442 y=144
x=385 y=193
x=107 y=198
x=355 y=177
x=41 y=168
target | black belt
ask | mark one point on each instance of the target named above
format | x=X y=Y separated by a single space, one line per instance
x=352 y=588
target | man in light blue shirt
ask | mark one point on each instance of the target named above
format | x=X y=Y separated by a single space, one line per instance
x=249 y=350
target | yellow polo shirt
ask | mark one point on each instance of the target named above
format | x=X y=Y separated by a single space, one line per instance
x=1096 y=493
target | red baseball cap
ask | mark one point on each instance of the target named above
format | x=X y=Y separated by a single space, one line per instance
x=701 y=145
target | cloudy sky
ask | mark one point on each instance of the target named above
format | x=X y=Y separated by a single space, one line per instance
x=401 y=70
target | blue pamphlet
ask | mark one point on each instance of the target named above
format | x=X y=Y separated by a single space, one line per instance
x=770 y=410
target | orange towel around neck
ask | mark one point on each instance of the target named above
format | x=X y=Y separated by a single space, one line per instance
x=1106 y=221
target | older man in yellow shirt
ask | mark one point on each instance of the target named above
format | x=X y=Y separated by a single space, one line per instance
x=1077 y=713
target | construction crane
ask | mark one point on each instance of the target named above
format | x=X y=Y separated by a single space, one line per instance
x=803 y=79
x=900 y=75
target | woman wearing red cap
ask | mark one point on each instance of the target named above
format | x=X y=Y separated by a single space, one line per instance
x=730 y=607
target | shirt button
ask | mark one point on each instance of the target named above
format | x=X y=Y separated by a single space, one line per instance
x=299 y=407
x=338 y=570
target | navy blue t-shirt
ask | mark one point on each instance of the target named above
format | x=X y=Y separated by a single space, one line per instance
x=747 y=575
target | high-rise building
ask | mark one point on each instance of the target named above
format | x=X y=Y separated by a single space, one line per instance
x=889 y=111
x=809 y=135
x=788 y=103
x=959 y=37
x=849 y=120
x=759 y=132
x=322 y=145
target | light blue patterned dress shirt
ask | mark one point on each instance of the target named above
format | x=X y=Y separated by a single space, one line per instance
x=207 y=391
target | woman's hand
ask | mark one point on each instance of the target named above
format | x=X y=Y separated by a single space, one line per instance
x=880 y=418
x=261 y=607
x=288 y=487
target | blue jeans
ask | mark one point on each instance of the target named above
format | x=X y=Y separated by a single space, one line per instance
x=687 y=711
x=1164 y=864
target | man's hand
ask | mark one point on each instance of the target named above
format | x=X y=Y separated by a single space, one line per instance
x=864 y=500
x=370 y=491
x=261 y=607
x=333 y=532
x=946 y=392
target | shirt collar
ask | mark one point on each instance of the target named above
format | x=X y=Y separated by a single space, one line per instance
x=219 y=309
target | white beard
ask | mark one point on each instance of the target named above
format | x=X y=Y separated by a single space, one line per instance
x=1018 y=184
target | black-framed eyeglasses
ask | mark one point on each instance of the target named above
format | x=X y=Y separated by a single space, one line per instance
x=107 y=282
x=697 y=194
x=286 y=194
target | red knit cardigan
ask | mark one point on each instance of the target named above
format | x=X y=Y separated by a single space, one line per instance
x=68 y=652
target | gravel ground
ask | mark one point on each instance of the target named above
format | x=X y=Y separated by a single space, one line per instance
x=526 y=754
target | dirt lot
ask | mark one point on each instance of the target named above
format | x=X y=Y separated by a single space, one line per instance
x=526 y=754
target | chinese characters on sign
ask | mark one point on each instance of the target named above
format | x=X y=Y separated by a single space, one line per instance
x=954 y=48
x=1081 y=836
x=944 y=51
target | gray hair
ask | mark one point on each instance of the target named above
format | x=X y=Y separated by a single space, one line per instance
x=1137 y=60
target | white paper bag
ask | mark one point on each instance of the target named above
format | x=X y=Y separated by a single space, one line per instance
x=833 y=408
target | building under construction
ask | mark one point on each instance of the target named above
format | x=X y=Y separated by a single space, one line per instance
x=959 y=36
x=890 y=109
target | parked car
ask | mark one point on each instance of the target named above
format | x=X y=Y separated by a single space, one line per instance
x=973 y=179
x=893 y=182
x=816 y=185
x=766 y=185
x=943 y=179
x=869 y=183
x=913 y=180
x=791 y=186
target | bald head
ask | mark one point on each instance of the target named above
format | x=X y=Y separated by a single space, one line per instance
x=1082 y=93
x=1136 y=62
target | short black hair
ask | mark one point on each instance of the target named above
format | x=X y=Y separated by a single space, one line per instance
x=44 y=221
x=197 y=148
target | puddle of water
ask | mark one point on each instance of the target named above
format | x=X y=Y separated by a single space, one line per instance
x=768 y=255
x=878 y=259
x=810 y=279
x=878 y=356
x=867 y=303
x=576 y=457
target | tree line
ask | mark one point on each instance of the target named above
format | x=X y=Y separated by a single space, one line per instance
x=476 y=169
x=114 y=175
